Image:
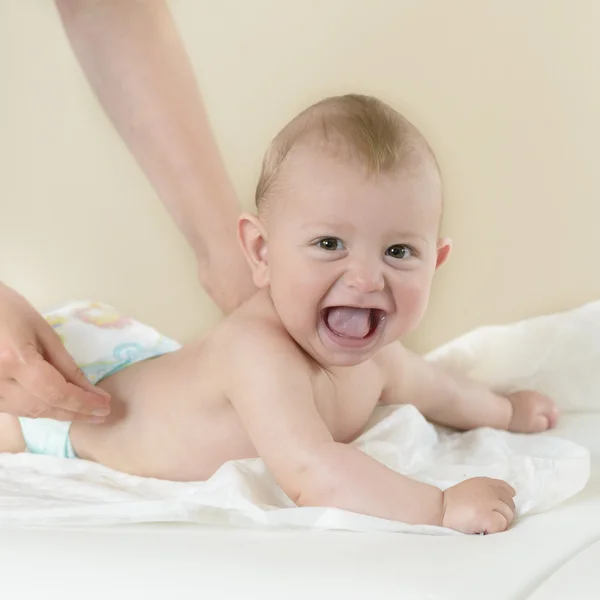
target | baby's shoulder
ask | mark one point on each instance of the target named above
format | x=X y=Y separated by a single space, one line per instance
x=389 y=358
x=253 y=360
x=254 y=339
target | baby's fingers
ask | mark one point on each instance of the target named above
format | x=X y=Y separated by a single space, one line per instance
x=505 y=488
x=495 y=522
x=506 y=511
x=507 y=499
x=552 y=417
x=543 y=422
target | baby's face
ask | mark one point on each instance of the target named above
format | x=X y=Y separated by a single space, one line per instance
x=351 y=257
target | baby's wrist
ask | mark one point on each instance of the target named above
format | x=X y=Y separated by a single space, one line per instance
x=442 y=511
x=511 y=411
x=438 y=510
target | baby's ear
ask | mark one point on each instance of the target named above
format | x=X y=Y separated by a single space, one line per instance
x=253 y=239
x=444 y=247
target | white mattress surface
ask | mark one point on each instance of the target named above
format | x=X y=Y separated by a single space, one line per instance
x=578 y=578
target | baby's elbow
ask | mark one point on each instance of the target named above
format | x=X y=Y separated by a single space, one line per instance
x=314 y=486
x=314 y=493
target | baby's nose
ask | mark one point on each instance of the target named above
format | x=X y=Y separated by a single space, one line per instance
x=365 y=277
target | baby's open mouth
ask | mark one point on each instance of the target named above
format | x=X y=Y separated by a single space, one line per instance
x=351 y=322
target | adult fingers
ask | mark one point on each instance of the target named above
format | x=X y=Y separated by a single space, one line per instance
x=58 y=356
x=14 y=400
x=51 y=390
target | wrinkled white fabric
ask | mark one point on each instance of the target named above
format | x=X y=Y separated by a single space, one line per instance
x=557 y=354
x=542 y=353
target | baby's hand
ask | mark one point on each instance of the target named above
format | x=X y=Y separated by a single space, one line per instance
x=532 y=412
x=479 y=505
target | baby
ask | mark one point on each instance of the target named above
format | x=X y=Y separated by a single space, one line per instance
x=343 y=250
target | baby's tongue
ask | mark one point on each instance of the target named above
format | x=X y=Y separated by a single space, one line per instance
x=349 y=322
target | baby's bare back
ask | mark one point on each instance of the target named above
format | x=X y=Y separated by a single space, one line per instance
x=171 y=418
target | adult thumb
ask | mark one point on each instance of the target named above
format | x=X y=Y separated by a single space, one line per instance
x=58 y=356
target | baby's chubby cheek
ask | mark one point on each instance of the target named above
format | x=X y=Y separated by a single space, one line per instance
x=297 y=300
x=412 y=299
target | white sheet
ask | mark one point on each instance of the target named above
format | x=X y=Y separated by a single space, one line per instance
x=43 y=491
x=557 y=354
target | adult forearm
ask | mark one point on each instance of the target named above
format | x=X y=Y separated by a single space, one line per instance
x=135 y=61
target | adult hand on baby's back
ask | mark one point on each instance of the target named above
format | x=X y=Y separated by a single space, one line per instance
x=38 y=377
x=479 y=505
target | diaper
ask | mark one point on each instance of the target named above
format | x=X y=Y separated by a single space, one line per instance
x=102 y=342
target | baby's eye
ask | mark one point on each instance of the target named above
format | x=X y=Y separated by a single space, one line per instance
x=400 y=251
x=331 y=244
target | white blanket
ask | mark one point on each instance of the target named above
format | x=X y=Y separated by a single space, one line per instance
x=549 y=353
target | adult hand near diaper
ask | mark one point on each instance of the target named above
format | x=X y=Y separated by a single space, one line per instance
x=38 y=377
x=532 y=412
x=479 y=505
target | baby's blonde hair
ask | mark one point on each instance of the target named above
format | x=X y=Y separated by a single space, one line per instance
x=362 y=127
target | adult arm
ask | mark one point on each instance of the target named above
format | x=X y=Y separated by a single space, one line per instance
x=135 y=61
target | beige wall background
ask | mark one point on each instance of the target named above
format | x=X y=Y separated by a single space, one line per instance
x=508 y=94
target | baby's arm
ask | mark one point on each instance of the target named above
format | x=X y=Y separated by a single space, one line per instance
x=450 y=398
x=272 y=393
